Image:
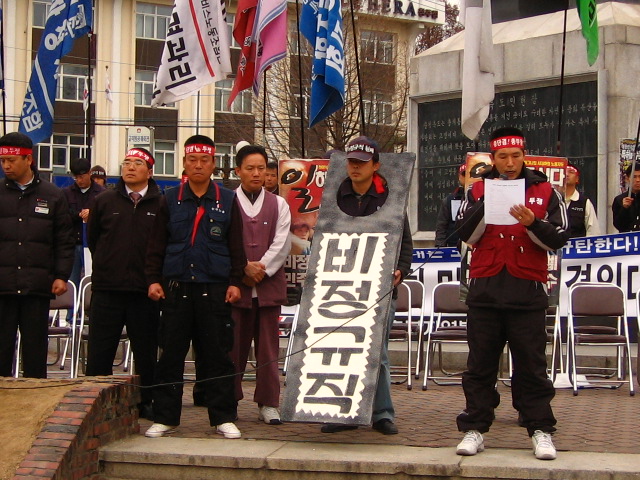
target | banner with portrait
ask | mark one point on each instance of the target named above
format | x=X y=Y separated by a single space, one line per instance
x=301 y=183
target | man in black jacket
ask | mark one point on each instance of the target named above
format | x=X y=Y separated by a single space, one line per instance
x=119 y=227
x=626 y=207
x=80 y=196
x=359 y=195
x=36 y=255
x=446 y=234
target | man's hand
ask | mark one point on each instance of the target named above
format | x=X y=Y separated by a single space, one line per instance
x=524 y=215
x=397 y=278
x=255 y=271
x=84 y=214
x=233 y=294
x=59 y=287
x=627 y=202
x=155 y=292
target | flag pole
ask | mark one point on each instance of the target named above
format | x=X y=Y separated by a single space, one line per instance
x=357 y=58
x=87 y=120
x=198 y=113
x=264 y=106
x=564 y=44
x=635 y=156
x=4 y=97
x=300 y=79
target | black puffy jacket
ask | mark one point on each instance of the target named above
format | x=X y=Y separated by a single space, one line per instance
x=36 y=238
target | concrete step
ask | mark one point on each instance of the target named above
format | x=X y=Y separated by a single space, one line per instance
x=140 y=458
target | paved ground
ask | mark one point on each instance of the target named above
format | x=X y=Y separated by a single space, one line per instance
x=597 y=420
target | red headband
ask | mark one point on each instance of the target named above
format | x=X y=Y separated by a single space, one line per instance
x=199 y=148
x=572 y=169
x=135 y=152
x=507 y=142
x=15 y=151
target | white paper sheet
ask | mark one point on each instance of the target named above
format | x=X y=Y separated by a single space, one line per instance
x=499 y=197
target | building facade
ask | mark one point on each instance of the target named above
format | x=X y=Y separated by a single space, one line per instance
x=122 y=56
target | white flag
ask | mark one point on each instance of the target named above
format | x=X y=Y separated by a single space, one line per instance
x=107 y=88
x=85 y=95
x=196 y=51
x=478 y=87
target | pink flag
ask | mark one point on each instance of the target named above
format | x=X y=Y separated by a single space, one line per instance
x=271 y=36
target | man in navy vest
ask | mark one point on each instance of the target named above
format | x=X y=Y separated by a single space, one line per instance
x=194 y=267
x=507 y=298
x=265 y=236
x=582 y=216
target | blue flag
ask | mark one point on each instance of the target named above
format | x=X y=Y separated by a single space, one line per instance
x=66 y=21
x=322 y=26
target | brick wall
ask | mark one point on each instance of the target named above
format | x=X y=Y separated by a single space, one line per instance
x=87 y=417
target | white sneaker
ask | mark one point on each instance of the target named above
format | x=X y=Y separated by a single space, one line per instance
x=159 y=430
x=543 y=445
x=269 y=415
x=229 y=430
x=471 y=443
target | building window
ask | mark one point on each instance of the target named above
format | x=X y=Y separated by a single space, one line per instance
x=231 y=18
x=295 y=103
x=145 y=80
x=379 y=109
x=242 y=102
x=165 y=157
x=152 y=20
x=71 y=80
x=40 y=11
x=377 y=47
x=225 y=159
x=307 y=49
x=59 y=151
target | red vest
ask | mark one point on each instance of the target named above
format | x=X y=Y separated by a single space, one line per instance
x=257 y=234
x=510 y=245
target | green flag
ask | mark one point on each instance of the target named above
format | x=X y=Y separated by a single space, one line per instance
x=587 y=11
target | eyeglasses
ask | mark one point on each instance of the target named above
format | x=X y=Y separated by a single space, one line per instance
x=134 y=163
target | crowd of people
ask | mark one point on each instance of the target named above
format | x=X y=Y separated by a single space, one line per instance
x=203 y=266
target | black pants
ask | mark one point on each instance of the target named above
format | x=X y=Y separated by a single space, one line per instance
x=195 y=312
x=30 y=313
x=487 y=331
x=110 y=312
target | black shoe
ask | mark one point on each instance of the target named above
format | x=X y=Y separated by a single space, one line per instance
x=337 y=427
x=385 y=427
x=145 y=410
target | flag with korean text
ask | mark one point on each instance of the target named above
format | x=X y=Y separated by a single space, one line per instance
x=321 y=25
x=196 y=51
x=271 y=36
x=243 y=34
x=478 y=88
x=66 y=21
x=588 y=13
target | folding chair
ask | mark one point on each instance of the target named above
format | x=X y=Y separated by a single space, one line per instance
x=608 y=303
x=409 y=315
x=83 y=333
x=445 y=300
x=292 y=329
x=63 y=331
x=56 y=330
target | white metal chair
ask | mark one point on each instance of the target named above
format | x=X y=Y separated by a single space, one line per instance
x=292 y=329
x=408 y=316
x=57 y=330
x=83 y=334
x=608 y=303
x=445 y=301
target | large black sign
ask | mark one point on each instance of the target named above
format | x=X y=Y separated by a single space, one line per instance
x=443 y=147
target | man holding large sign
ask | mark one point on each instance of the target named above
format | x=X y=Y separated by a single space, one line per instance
x=336 y=376
x=507 y=298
